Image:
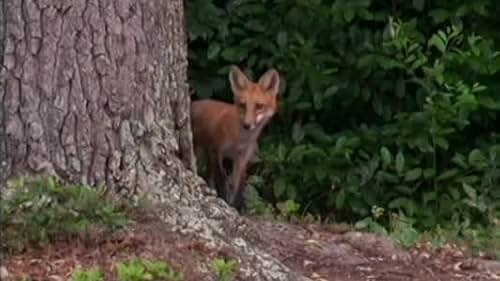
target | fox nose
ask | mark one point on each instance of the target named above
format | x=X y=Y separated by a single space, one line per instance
x=246 y=125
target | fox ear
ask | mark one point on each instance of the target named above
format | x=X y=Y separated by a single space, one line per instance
x=238 y=80
x=270 y=81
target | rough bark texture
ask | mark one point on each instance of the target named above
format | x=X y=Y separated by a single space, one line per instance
x=95 y=91
x=3 y=136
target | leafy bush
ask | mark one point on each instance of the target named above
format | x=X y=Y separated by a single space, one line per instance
x=42 y=209
x=90 y=274
x=224 y=269
x=140 y=270
x=390 y=105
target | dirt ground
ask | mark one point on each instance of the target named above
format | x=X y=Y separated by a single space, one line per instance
x=313 y=250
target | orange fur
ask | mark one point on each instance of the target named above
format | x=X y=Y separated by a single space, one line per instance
x=231 y=131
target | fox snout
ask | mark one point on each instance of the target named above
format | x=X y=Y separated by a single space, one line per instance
x=246 y=126
x=248 y=123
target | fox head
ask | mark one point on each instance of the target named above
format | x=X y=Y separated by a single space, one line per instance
x=257 y=102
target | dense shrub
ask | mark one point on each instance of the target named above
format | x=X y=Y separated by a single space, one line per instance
x=389 y=105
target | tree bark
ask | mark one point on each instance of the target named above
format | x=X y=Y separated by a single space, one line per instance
x=3 y=135
x=94 y=91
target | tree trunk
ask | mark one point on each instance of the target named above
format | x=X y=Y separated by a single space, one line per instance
x=94 y=91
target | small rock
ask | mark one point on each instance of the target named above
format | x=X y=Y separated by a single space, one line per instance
x=307 y=262
x=364 y=268
x=56 y=278
x=457 y=254
x=457 y=266
x=315 y=275
x=424 y=255
x=314 y=242
x=4 y=273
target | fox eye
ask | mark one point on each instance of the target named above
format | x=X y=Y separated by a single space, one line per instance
x=259 y=106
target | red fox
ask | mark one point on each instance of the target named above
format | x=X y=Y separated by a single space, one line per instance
x=231 y=131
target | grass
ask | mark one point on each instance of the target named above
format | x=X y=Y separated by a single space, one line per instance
x=41 y=210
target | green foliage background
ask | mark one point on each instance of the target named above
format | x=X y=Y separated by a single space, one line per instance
x=388 y=107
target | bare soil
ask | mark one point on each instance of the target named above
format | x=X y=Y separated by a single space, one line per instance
x=314 y=250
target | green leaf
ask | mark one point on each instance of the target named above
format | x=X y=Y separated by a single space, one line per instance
x=460 y=160
x=348 y=15
x=477 y=158
x=364 y=223
x=340 y=199
x=398 y=203
x=291 y=192
x=400 y=162
x=437 y=42
x=300 y=39
x=385 y=176
x=296 y=89
x=404 y=203
x=297 y=133
x=470 y=191
x=477 y=88
x=234 y=54
x=418 y=63
x=282 y=39
x=404 y=189
x=472 y=179
x=321 y=174
x=316 y=132
x=413 y=174
x=447 y=174
x=377 y=228
x=388 y=63
x=317 y=100
x=365 y=14
x=429 y=173
x=340 y=143
x=468 y=100
x=408 y=236
x=291 y=206
x=297 y=153
x=454 y=193
x=441 y=142
x=255 y=25
x=279 y=187
x=386 y=156
x=429 y=196
x=213 y=50
x=488 y=102
x=303 y=105
x=388 y=33
x=332 y=90
x=366 y=61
